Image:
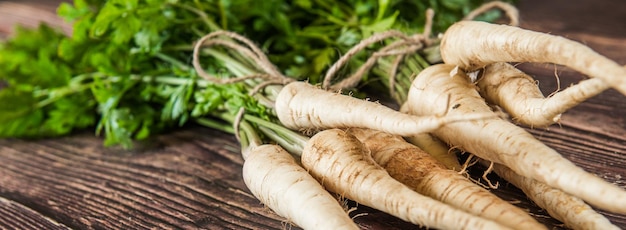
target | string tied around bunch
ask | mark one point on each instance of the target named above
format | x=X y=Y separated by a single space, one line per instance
x=245 y=47
x=405 y=45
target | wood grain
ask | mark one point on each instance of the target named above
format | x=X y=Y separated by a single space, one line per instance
x=14 y=215
x=191 y=178
x=187 y=181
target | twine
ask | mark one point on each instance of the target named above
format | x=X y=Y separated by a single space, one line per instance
x=509 y=10
x=249 y=50
x=237 y=122
x=405 y=45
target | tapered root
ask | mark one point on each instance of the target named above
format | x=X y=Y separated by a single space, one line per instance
x=518 y=94
x=301 y=106
x=343 y=165
x=502 y=142
x=472 y=45
x=274 y=177
x=424 y=174
x=570 y=210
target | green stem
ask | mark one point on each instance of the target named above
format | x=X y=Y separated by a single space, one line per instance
x=179 y=47
x=234 y=66
x=293 y=148
x=215 y=125
x=75 y=86
x=172 y=61
x=248 y=135
x=297 y=141
x=223 y=17
x=424 y=62
x=382 y=9
x=78 y=85
x=411 y=66
x=205 y=18
x=432 y=54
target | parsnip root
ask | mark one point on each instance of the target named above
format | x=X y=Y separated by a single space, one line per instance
x=424 y=174
x=518 y=94
x=472 y=45
x=573 y=212
x=302 y=106
x=436 y=149
x=274 y=177
x=343 y=165
x=502 y=142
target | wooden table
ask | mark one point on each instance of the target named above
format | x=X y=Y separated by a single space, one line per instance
x=191 y=178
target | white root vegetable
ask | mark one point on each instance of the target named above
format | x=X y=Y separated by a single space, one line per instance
x=502 y=142
x=472 y=45
x=436 y=149
x=518 y=94
x=424 y=174
x=343 y=165
x=573 y=212
x=274 y=177
x=300 y=105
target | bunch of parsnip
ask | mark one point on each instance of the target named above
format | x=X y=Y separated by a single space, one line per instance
x=358 y=149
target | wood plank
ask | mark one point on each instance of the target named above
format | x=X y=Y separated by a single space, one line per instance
x=191 y=178
x=187 y=181
x=14 y=215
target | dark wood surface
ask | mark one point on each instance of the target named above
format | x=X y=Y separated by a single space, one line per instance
x=191 y=178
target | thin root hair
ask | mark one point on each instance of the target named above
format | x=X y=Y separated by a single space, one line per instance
x=486 y=172
x=558 y=82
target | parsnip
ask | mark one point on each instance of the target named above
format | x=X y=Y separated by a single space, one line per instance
x=424 y=174
x=502 y=142
x=300 y=105
x=573 y=212
x=274 y=177
x=472 y=45
x=343 y=165
x=436 y=149
x=518 y=94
